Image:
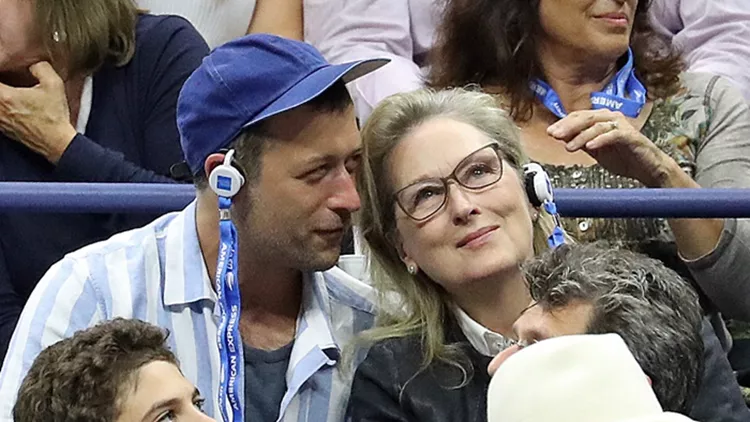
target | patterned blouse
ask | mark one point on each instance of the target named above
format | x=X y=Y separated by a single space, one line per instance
x=677 y=125
x=706 y=130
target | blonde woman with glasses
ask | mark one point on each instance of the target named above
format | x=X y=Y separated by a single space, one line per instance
x=447 y=221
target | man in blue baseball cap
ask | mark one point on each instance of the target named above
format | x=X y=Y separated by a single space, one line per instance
x=244 y=277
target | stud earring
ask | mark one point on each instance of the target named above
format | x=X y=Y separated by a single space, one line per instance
x=412 y=269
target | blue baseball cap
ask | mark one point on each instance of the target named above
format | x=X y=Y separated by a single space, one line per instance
x=248 y=80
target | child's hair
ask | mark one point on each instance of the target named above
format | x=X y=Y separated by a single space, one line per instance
x=85 y=377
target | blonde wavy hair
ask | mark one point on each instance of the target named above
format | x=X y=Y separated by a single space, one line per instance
x=425 y=306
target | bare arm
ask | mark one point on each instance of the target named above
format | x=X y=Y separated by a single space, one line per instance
x=278 y=17
x=348 y=30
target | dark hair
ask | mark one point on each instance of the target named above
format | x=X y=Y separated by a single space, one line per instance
x=650 y=306
x=83 y=378
x=88 y=33
x=250 y=144
x=491 y=42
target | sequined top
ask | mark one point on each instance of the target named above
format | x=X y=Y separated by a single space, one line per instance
x=677 y=126
x=706 y=130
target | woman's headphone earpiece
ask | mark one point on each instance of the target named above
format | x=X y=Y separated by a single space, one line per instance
x=537 y=184
x=539 y=190
x=226 y=180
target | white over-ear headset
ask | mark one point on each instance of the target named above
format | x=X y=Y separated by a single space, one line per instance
x=226 y=180
x=538 y=185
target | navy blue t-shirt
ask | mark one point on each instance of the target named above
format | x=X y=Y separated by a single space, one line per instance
x=265 y=381
x=131 y=136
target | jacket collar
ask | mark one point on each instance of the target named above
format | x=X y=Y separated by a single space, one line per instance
x=484 y=340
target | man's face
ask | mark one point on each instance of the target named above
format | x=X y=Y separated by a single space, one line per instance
x=299 y=210
x=536 y=323
x=160 y=393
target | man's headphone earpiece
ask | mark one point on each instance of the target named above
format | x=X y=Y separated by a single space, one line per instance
x=226 y=180
x=537 y=184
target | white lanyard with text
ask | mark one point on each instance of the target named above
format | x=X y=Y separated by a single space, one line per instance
x=624 y=93
x=229 y=341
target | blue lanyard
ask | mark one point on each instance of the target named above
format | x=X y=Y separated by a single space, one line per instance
x=624 y=93
x=228 y=292
x=557 y=237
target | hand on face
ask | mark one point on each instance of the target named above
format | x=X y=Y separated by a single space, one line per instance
x=38 y=117
x=611 y=139
x=502 y=357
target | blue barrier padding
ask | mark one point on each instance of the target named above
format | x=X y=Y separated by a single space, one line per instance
x=94 y=197
x=677 y=203
x=159 y=198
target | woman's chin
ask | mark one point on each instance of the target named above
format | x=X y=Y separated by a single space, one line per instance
x=501 y=269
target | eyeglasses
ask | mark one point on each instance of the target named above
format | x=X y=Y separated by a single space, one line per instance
x=422 y=199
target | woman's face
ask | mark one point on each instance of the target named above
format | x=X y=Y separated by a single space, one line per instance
x=19 y=47
x=598 y=27
x=477 y=234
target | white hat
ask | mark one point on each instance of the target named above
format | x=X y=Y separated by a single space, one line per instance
x=577 y=378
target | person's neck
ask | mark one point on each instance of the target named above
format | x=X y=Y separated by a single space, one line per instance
x=73 y=92
x=265 y=289
x=574 y=79
x=495 y=303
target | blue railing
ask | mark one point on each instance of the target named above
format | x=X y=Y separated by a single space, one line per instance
x=159 y=198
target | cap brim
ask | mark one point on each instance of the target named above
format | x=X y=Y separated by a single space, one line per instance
x=315 y=84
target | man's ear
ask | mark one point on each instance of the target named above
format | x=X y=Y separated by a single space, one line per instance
x=212 y=161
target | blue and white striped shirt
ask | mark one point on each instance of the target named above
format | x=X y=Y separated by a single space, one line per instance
x=157 y=274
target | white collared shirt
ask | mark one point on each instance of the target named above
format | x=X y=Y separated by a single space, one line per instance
x=157 y=274
x=484 y=340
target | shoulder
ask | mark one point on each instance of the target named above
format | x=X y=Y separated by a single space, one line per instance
x=161 y=37
x=403 y=356
x=349 y=291
x=151 y=28
x=689 y=113
x=720 y=99
x=117 y=252
x=406 y=349
x=708 y=86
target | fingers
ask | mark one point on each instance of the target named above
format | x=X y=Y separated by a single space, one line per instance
x=45 y=74
x=570 y=126
x=604 y=139
x=502 y=357
x=587 y=137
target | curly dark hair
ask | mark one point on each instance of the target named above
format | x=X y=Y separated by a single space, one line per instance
x=82 y=378
x=491 y=42
x=650 y=306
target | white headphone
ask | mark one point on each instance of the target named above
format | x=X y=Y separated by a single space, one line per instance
x=538 y=185
x=225 y=179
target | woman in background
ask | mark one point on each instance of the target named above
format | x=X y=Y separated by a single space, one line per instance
x=602 y=103
x=88 y=92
